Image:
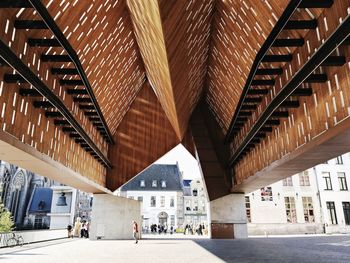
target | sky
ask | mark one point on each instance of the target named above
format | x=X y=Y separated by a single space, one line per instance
x=187 y=163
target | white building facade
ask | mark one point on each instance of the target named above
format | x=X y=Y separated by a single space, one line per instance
x=314 y=201
x=159 y=188
x=195 y=202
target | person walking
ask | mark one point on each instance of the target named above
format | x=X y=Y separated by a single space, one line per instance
x=135 y=230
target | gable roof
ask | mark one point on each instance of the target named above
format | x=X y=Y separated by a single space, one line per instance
x=161 y=172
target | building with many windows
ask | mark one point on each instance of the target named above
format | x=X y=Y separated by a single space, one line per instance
x=195 y=202
x=159 y=187
x=314 y=201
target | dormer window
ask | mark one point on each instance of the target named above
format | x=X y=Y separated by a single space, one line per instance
x=163 y=183
x=142 y=183
x=154 y=183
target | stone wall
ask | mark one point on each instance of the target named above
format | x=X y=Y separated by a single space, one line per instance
x=112 y=217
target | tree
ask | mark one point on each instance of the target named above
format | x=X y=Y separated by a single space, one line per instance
x=6 y=221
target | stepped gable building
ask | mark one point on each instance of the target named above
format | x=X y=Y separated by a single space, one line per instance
x=159 y=187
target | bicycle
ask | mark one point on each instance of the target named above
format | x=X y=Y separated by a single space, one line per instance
x=15 y=240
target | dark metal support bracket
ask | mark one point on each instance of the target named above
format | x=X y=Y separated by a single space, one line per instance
x=337 y=37
x=289 y=11
x=51 y=24
x=11 y=58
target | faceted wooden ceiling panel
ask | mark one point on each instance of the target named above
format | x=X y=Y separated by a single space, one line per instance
x=102 y=36
x=239 y=30
x=143 y=136
x=174 y=41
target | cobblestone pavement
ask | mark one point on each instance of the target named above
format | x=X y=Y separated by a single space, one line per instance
x=321 y=249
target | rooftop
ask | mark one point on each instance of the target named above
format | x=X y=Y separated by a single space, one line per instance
x=167 y=173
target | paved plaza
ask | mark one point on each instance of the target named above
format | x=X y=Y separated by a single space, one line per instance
x=319 y=249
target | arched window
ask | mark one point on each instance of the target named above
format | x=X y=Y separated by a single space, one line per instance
x=5 y=187
x=18 y=183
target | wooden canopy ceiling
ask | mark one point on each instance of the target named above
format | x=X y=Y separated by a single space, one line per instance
x=181 y=50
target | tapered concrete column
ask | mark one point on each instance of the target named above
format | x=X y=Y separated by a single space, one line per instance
x=112 y=217
x=228 y=217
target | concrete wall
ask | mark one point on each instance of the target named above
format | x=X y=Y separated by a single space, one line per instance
x=31 y=236
x=284 y=229
x=112 y=217
x=228 y=210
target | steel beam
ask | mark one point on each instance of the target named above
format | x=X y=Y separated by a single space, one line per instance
x=288 y=42
x=71 y=82
x=334 y=61
x=43 y=104
x=64 y=71
x=77 y=92
x=14 y=78
x=331 y=43
x=75 y=99
x=277 y=58
x=51 y=24
x=287 y=14
x=29 y=24
x=316 y=4
x=290 y=104
x=257 y=92
x=301 y=24
x=300 y=92
x=14 y=4
x=316 y=78
x=269 y=71
x=47 y=42
x=22 y=69
x=29 y=92
x=263 y=82
x=55 y=58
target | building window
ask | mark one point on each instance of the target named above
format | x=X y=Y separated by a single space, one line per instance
x=247 y=209
x=154 y=183
x=342 y=181
x=172 y=220
x=153 y=201
x=308 y=210
x=288 y=181
x=346 y=208
x=38 y=222
x=163 y=183
x=162 y=201
x=331 y=213
x=130 y=197
x=140 y=198
x=339 y=160
x=327 y=180
x=290 y=209
x=142 y=183
x=195 y=205
x=172 y=201
x=304 y=178
x=188 y=205
x=195 y=192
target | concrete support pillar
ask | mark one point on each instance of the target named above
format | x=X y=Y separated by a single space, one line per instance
x=112 y=217
x=228 y=217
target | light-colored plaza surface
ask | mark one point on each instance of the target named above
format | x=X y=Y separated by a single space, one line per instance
x=166 y=248
x=108 y=251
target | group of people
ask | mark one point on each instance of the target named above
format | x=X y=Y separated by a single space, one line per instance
x=81 y=228
x=161 y=229
x=199 y=229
